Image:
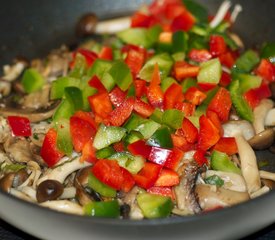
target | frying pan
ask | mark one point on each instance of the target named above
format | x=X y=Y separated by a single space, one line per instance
x=32 y=28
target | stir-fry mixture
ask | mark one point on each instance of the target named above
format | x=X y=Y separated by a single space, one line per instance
x=157 y=119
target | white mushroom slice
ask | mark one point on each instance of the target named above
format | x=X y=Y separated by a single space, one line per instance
x=13 y=72
x=249 y=165
x=20 y=195
x=232 y=181
x=260 y=192
x=68 y=193
x=112 y=25
x=220 y=14
x=64 y=206
x=233 y=128
x=270 y=118
x=60 y=172
x=267 y=175
x=259 y=113
x=29 y=191
x=210 y=198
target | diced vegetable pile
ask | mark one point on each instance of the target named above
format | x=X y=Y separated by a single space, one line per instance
x=162 y=88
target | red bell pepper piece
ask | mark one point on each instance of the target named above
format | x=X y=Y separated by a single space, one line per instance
x=142 y=108
x=209 y=135
x=221 y=104
x=140 y=87
x=49 y=151
x=159 y=155
x=181 y=143
x=266 y=70
x=227 y=145
x=200 y=158
x=195 y=96
x=206 y=86
x=184 y=22
x=119 y=147
x=140 y=148
x=90 y=56
x=174 y=9
x=128 y=180
x=199 y=55
x=108 y=172
x=117 y=96
x=106 y=53
x=20 y=126
x=217 y=45
x=172 y=96
x=148 y=175
x=100 y=104
x=88 y=153
x=225 y=79
x=87 y=116
x=227 y=59
x=154 y=93
x=186 y=107
x=163 y=191
x=215 y=120
x=167 y=178
x=174 y=159
x=255 y=95
x=135 y=59
x=183 y=70
x=97 y=84
x=81 y=131
x=189 y=130
x=142 y=20
x=120 y=114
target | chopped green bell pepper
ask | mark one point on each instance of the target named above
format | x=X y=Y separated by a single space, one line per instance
x=248 y=81
x=32 y=80
x=64 y=139
x=161 y=138
x=246 y=62
x=172 y=118
x=179 y=41
x=166 y=83
x=64 y=110
x=109 y=209
x=268 y=51
x=74 y=96
x=131 y=137
x=105 y=152
x=187 y=83
x=147 y=128
x=210 y=72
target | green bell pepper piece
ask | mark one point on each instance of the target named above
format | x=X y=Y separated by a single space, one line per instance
x=99 y=67
x=86 y=92
x=64 y=110
x=154 y=206
x=172 y=118
x=179 y=41
x=107 y=135
x=166 y=83
x=133 y=122
x=199 y=11
x=246 y=62
x=187 y=83
x=64 y=140
x=221 y=162
x=157 y=115
x=214 y=180
x=131 y=137
x=210 y=72
x=161 y=138
x=248 y=81
x=74 y=96
x=101 y=188
x=32 y=80
x=165 y=63
x=147 y=128
x=105 y=152
x=268 y=51
x=109 y=209
x=80 y=67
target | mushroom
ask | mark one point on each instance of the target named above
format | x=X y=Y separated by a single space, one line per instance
x=49 y=190
x=249 y=165
x=269 y=183
x=5 y=130
x=211 y=197
x=13 y=72
x=232 y=181
x=63 y=206
x=267 y=175
x=262 y=140
x=5 y=88
x=270 y=118
x=13 y=180
x=231 y=128
x=68 y=192
x=260 y=192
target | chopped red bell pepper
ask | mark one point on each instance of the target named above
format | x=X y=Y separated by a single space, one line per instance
x=128 y=180
x=106 y=53
x=199 y=55
x=142 y=108
x=172 y=96
x=227 y=59
x=189 y=130
x=221 y=104
x=181 y=143
x=135 y=59
x=81 y=131
x=167 y=178
x=159 y=155
x=117 y=96
x=97 y=84
x=163 y=191
x=215 y=120
x=209 y=134
x=154 y=93
x=183 y=70
x=108 y=172
x=49 y=151
x=142 y=20
x=266 y=70
x=20 y=126
x=90 y=56
x=88 y=153
x=195 y=96
x=217 y=45
x=227 y=145
x=174 y=9
x=174 y=159
x=100 y=104
x=148 y=175
x=120 y=114
x=200 y=158
x=140 y=87
x=140 y=148
x=186 y=107
x=87 y=116
x=119 y=147
x=184 y=22
x=225 y=79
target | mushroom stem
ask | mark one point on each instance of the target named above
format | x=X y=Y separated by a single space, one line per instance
x=267 y=175
x=270 y=117
x=260 y=113
x=68 y=193
x=231 y=128
x=64 y=206
x=113 y=25
x=249 y=165
x=260 y=192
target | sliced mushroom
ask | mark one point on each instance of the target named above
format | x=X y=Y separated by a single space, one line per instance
x=249 y=165
x=211 y=197
x=64 y=206
x=262 y=140
x=270 y=118
x=231 y=128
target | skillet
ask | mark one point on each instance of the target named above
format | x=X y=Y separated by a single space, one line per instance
x=32 y=28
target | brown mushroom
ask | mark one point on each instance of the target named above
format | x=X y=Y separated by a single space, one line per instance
x=49 y=190
x=13 y=179
x=262 y=140
x=86 y=25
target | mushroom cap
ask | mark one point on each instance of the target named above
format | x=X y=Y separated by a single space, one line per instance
x=262 y=140
x=49 y=190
